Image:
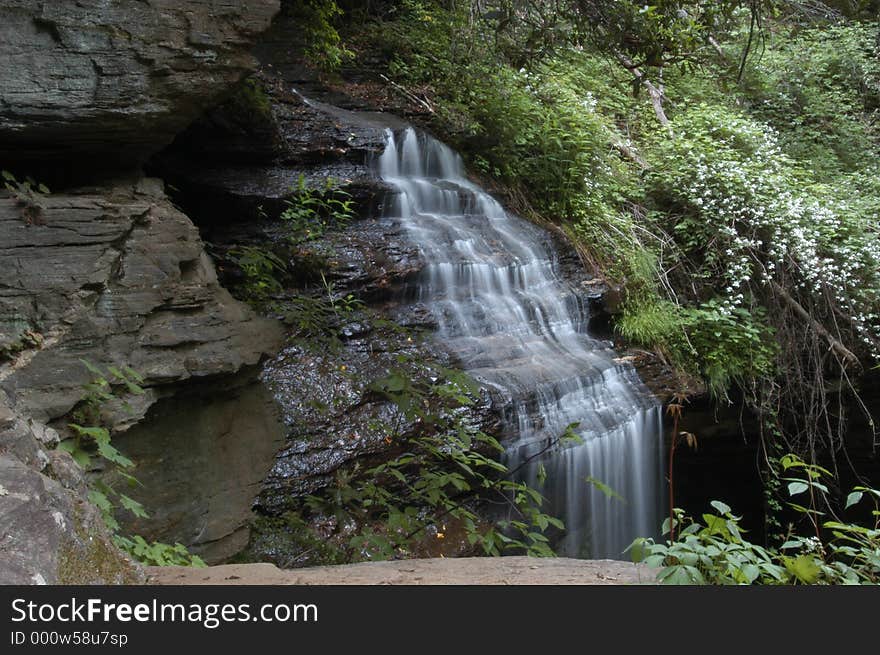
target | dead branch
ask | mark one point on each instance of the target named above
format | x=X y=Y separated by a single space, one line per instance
x=630 y=154
x=817 y=327
x=408 y=94
x=656 y=94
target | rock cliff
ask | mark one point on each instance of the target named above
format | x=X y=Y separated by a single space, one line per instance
x=104 y=268
x=113 y=275
x=51 y=533
x=105 y=84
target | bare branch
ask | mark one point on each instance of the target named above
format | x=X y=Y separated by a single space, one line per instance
x=657 y=95
x=817 y=327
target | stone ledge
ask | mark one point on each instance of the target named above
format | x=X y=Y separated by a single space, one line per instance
x=458 y=571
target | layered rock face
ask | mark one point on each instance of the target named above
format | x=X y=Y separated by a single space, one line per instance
x=106 y=270
x=114 y=276
x=115 y=81
x=50 y=533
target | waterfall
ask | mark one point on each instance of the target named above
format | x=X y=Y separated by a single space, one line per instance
x=515 y=326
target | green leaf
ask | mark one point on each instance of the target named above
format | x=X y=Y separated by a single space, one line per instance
x=639 y=549
x=110 y=453
x=100 y=435
x=394 y=383
x=853 y=498
x=751 y=572
x=555 y=522
x=79 y=455
x=133 y=506
x=795 y=488
x=680 y=575
x=100 y=500
x=92 y=368
x=605 y=489
x=804 y=568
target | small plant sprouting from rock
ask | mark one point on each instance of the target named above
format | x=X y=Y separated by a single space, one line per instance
x=29 y=195
x=262 y=270
x=311 y=212
x=92 y=439
x=308 y=215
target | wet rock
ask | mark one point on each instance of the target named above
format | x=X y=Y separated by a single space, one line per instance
x=664 y=380
x=371 y=258
x=201 y=456
x=114 y=276
x=333 y=419
x=222 y=179
x=115 y=81
x=330 y=417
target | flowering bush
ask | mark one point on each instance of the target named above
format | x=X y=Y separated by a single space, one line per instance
x=746 y=218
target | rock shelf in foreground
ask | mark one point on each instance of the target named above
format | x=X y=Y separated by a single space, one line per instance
x=457 y=571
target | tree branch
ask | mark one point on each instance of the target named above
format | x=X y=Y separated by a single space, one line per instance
x=818 y=328
x=657 y=95
x=409 y=94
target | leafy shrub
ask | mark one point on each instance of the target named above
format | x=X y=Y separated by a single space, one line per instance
x=157 y=553
x=311 y=212
x=317 y=36
x=820 y=87
x=263 y=271
x=716 y=552
x=746 y=217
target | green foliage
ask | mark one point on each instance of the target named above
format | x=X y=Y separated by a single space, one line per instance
x=820 y=87
x=308 y=214
x=729 y=346
x=292 y=542
x=157 y=553
x=713 y=552
x=744 y=217
x=319 y=39
x=439 y=476
x=316 y=319
x=263 y=272
x=662 y=32
x=659 y=322
x=653 y=35
x=92 y=442
x=311 y=212
x=716 y=552
x=310 y=317
x=250 y=103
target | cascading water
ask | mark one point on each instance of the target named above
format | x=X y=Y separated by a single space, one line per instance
x=514 y=325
